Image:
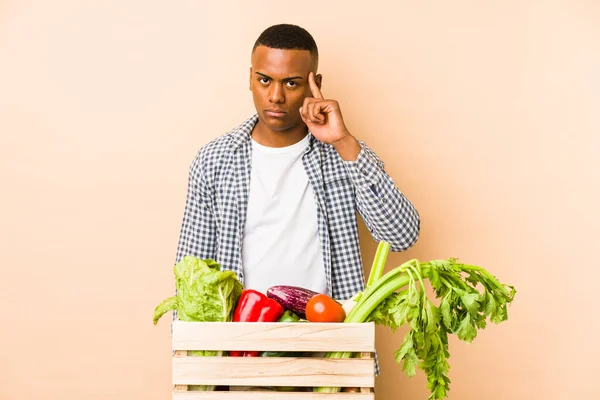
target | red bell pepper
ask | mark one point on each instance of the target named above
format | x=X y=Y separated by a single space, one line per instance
x=254 y=306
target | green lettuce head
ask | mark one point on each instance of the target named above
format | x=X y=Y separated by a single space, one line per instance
x=204 y=292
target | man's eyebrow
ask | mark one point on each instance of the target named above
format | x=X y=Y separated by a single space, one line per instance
x=284 y=79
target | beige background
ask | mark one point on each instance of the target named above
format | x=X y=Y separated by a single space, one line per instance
x=486 y=113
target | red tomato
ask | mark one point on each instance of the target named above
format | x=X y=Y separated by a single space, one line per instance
x=322 y=308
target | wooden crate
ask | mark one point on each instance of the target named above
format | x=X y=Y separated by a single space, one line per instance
x=273 y=371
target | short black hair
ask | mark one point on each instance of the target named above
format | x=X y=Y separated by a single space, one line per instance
x=287 y=37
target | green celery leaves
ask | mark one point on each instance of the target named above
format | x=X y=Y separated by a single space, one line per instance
x=462 y=311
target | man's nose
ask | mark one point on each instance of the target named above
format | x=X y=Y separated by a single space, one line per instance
x=276 y=94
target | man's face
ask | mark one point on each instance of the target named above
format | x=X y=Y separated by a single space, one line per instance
x=279 y=84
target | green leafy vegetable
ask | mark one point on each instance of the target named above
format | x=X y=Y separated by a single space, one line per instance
x=204 y=294
x=399 y=298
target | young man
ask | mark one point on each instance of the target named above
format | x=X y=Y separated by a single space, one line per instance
x=275 y=199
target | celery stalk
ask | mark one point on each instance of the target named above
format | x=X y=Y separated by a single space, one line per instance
x=462 y=310
x=378 y=262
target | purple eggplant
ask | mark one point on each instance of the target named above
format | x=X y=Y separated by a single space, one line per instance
x=292 y=298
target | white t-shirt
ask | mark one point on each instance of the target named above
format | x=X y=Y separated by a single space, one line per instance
x=281 y=243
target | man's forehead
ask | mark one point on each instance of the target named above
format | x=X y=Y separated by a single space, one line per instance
x=279 y=61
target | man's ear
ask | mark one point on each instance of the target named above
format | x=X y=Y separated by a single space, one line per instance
x=318 y=80
x=250 y=80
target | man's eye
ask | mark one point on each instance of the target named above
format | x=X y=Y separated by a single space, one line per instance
x=291 y=84
x=264 y=80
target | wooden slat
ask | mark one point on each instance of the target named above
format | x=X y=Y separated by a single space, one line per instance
x=271 y=395
x=273 y=371
x=275 y=336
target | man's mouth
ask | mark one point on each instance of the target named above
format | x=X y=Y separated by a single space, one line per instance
x=275 y=112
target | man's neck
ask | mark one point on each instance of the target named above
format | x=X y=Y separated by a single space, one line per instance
x=270 y=138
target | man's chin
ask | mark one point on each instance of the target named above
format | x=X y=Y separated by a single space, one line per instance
x=277 y=124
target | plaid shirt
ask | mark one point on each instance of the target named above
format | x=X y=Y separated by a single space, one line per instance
x=217 y=201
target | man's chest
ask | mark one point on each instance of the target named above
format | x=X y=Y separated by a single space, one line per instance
x=279 y=192
x=322 y=177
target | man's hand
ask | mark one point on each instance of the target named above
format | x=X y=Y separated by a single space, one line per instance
x=324 y=120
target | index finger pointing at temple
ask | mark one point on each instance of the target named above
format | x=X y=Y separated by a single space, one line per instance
x=316 y=92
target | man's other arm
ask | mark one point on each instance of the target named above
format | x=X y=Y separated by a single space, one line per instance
x=388 y=214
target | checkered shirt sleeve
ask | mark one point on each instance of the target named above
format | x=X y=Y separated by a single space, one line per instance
x=388 y=214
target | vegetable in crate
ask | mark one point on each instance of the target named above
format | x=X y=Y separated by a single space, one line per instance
x=289 y=316
x=254 y=306
x=292 y=298
x=204 y=293
x=322 y=308
x=399 y=298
